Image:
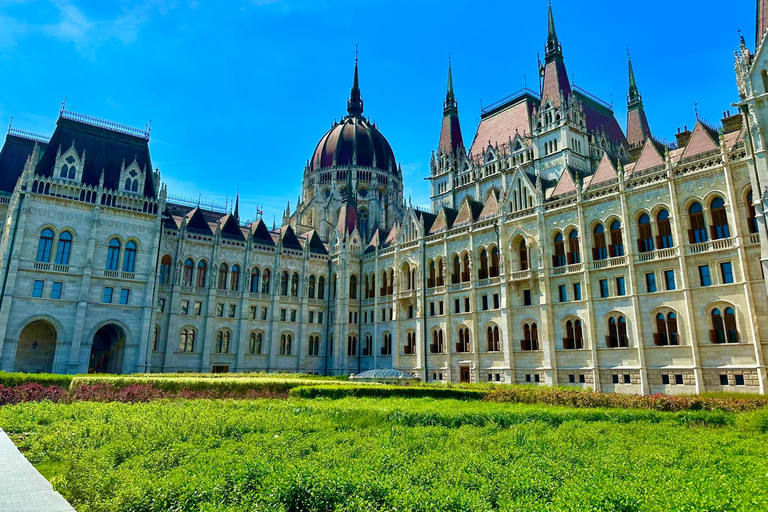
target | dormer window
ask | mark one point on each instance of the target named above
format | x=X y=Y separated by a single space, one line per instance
x=132 y=182
x=132 y=177
x=69 y=165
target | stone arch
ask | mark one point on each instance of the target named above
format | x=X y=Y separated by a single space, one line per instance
x=36 y=346
x=109 y=340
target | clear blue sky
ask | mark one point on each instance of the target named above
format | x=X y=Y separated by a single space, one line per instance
x=239 y=92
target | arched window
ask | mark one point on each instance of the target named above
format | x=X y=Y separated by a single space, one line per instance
x=351 y=346
x=530 y=339
x=386 y=344
x=482 y=270
x=165 y=269
x=353 y=287
x=314 y=345
x=265 y=280
x=202 y=269
x=285 y=344
x=223 y=272
x=255 y=275
x=465 y=268
x=295 y=284
x=574 y=338
x=698 y=231
x=234 y=278
x=189 y=267
x=523 y=255
x=456 y=276
x=617 y=245
x=751 y=214
x=558 y=258
x=617 y=332
x=644 y=234
x=284 y=283
x=129 y=257
x=383 y=290
x=113 y=254
x=464 y=343
x=311 y=286
x=494 y=269
x=63 y=248
x=724 y=326
x=432 y=274
x=187 y=340
x=664 y=228
x=666 y=330
x=368 y=347
x=410 y=343
x=321 y=288
x=492 y=335
x=372 y=291
x=155 y=338
x=599 y=251
x=222 y=342
x=574 y=253
x=437 y=342
x=366 y=286
x=254 y=343
x=719 y=226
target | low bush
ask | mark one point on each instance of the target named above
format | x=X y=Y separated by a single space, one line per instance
x=30 y=392
x=9 y=379
x=234 y=384
x=386 y=391
x=580 y=398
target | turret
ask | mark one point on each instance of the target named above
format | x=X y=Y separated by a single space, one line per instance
x=555 y=87
x=637 y=123
x=450 y=132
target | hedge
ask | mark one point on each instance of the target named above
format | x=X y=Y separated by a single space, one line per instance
x=45 y=379
x=230 y=385
x=386 y=391
x=580 y=398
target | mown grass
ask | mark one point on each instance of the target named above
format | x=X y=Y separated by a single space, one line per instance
x=365 y=454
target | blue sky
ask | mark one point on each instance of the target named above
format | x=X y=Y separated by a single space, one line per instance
x=239 y=92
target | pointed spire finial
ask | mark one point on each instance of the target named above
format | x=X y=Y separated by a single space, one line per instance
x=551 y=33
x=237 y=206
x=450 y=107
x=355 y=102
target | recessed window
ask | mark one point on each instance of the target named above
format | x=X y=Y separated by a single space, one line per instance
x=615 y=379
x=466 y=304
x=572 y=378
x=495 y=301
x=627 y=378
x=582 y=378
x=621 y=288
x=184 y=307
x=650 y=282
x=37 y=288
x=576 y=291
x=669 y=279
x=232 y=310
x=604 y=288
x=678 y=378
x=705 y=278
x=198 y=308
x=723 y=379
x=562 y=293
x=485 y=302
x=125 y=293
x=526 y=297
x=107 y=297
x=726 y=272
x=220 y=310
x=739 y=379
x=161 y=305
x=665 y=379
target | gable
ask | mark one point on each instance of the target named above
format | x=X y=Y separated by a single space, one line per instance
x=565 y=185
x=196 y=222
x=649 y=158
x=491 y=207
x=261 y=234
x=230 y=228
x=605 y=172
x=700 y=142
x=290 y=241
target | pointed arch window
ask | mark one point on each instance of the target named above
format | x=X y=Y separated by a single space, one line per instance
x=353 y=287
x=719 y=228
x=165 y=269
x=321 y=288
x=437 y=342
x=255 y=275
x=482 y=269
x=574 y=338
x=724 y=326
x=311 y=287
x=295 y=285
x=432 y=275
x=222 y=342
x=351 y=345
x=223 y=274
x=234 y=278
x=386 y=344
x=63 y=248
x=574 y=252
x=202 y=270
x=698 y=232
x=494 y=268
x=664 y=227
x=189 y=267
x=284 y=283
x=391 y=281
x=266 y=275
x=456 y=276
x=599 y=250
x=44 y=246
x=644 y=234
x=383 y=290
x=617 y=244
x=523 y=255
x=129 y=257
x=530 y=339
x=187 y=340
x=558 y=258
x=254 y=343
x=463 y=345
x=465 y=269
x=113 y=254
x=314 y=345
x=285 y=344
x=410 y=343
x=666 y=330
x=492 y=337
x=617 y=332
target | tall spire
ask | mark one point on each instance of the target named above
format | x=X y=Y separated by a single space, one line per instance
x=450 y=99
x=355 y=102
x=555 y=83
x=553 y=45
x=638 y=129
x=450 y=132
x=236 y=213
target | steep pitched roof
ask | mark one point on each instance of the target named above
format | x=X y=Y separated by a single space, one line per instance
x=315 y=244
x=427 y=218
x=491 y=208
x=565 y=184
x=347 y=219
x=230 y=228
x=289 y=238
x=605 y=172
x=261 y=234
x=13 y=157
x=391 y=237
x=444 y=220
x=650 y=157
x=105 y=150
x=600 y=117
x=700 y=142
x=468 y=212
x=500 y=125
x=196 y=222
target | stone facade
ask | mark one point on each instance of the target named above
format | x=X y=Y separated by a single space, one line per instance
x=556 y=252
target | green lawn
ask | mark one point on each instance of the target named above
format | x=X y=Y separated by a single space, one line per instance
x=360 y=454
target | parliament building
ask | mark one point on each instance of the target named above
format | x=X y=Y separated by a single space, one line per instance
x=560 y=248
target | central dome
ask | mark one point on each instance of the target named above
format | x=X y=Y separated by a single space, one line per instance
x=354 y=141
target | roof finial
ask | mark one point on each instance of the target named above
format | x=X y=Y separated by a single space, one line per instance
x=696 y=109
x=236 y=213
x=355 y=102
x=551 y=34
x=633 y=97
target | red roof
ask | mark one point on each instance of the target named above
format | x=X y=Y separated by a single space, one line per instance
x=450 y=134
x=501 y=127
x=700 y=142
x=649 y=158
x=555 y=81
x=637 y=127
x=565 y=185
x=605 y=172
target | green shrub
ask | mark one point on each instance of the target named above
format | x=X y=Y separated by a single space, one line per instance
x=46 y=379
x=386 y=391
x=232 y=384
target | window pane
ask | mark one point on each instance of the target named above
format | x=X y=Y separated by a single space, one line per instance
x=726 y=271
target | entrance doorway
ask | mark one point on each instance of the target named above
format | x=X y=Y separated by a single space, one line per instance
x=107 y=350
x=37 y=344
x=463 y=373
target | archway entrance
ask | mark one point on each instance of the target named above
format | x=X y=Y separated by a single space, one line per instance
x=37 y=344
x=107 y=350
